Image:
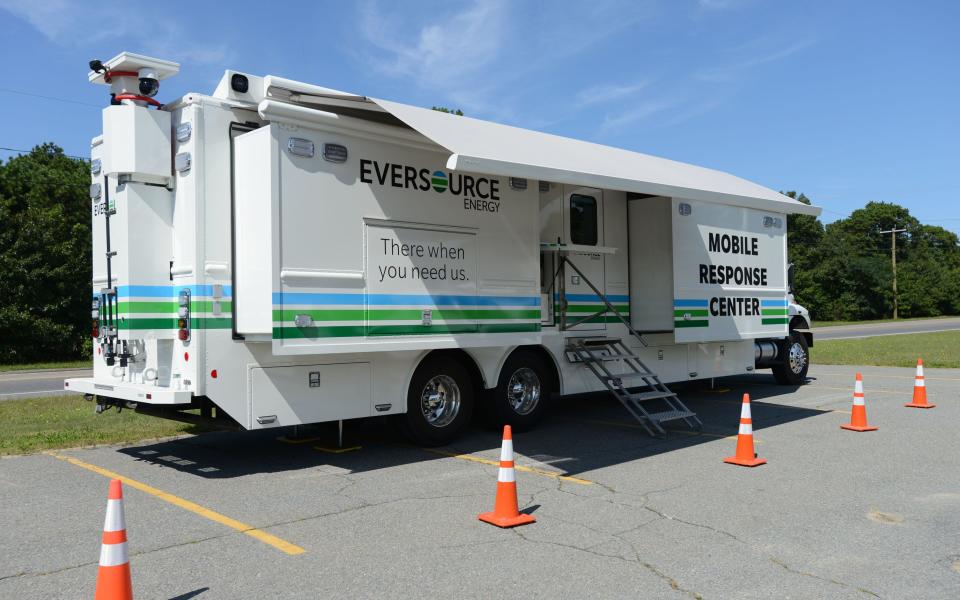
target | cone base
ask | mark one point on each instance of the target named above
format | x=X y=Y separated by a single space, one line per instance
x=915 y=405
x=859 y=427
x=745 y=462
x=499 y=521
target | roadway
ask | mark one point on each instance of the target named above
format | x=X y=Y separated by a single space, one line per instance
x=16 y=385
x=838 y=332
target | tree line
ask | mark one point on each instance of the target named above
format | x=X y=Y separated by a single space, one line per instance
x=842 y=270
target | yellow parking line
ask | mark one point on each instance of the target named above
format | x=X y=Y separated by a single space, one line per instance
x=517 y=467
x=263 y=536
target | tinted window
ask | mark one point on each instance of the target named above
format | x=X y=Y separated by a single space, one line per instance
x=583 y=220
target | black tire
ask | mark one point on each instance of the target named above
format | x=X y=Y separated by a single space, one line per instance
x=511 y=403
x=444 y=376
x=796 y=360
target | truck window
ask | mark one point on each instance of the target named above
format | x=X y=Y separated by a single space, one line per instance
x=583 y=220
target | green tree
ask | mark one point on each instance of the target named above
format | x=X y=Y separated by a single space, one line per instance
x=44 y=256
x=451 y=111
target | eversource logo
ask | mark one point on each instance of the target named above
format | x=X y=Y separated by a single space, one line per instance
x=479 y=193
x=439 y=181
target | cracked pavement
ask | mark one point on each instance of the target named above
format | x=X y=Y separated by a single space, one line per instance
x=654 y=518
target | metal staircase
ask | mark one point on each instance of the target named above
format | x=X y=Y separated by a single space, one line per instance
x=596 y=353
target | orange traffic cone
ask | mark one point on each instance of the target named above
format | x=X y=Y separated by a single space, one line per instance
x=745 y=455
x=858 y=418
x=505 y=511
x=919 y=389
x=113 y=579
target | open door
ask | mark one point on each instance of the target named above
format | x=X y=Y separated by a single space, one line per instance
x=583 y=231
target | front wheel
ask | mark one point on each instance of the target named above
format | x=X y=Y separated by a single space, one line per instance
x=795 y=360
x=439 y=402
x=521 y=395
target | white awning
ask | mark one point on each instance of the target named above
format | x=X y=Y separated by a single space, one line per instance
x=492 y=148
x=495 y=149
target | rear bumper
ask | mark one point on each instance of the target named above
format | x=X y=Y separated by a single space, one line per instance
x=148 y=394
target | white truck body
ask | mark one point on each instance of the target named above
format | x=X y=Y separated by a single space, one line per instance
x=324 y=243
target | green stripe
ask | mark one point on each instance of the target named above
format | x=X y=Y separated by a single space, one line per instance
x=693 y=312
x=774 y=311
x=775 y=321
x=404 y=315
x=589 y=308
x=360 y=331
x=137 y=306
x=171 y=323
x=598 y=319
x=691 y=323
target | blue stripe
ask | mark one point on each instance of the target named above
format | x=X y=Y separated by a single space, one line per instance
x=780 y=303
x=402 y=299
x=691 y=303
x=167 y=291
x=593 y=298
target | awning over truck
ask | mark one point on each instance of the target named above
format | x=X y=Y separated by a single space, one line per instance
x=492 y=148
x=485 y=147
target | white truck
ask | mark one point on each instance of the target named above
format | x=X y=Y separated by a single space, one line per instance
x=279 y=253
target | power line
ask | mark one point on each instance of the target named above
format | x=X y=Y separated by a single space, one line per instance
x=19 y=151
x=53 y=98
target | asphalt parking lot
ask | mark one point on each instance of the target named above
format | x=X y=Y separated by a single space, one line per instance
x=834 y=514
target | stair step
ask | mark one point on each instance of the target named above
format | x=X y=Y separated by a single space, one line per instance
x=631 y=375
x=644 y=396
x=583 y=357
x=671 y=415
x=598 y=341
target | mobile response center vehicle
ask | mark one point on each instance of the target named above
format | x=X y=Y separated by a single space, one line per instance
x=279 y=253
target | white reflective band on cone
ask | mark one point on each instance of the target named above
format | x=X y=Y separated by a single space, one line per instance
x=746 y=429
x=858 y=400
x=506 y=451
x=114 y=519
x=920 y=382
x=858 y=387
x=506 y=476
x=919 y=370
x=745 y=410
x=113 y=555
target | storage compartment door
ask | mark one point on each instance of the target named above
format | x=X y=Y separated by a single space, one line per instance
x=281 y=396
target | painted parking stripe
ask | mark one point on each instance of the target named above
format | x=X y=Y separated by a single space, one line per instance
x=496 y=463
x=259 y=534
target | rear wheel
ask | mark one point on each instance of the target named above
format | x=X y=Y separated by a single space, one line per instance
x=521 y=395
x=440 y=402
x=795 y=363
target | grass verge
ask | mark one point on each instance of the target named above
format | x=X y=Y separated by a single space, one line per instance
x=940 y=349
x=38 y=424
x=65 y=364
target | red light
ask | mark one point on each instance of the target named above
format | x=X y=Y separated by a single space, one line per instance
x=213 y=373
x=98 y=349
x=149 y=396
x=186 y=356
x=183 y=335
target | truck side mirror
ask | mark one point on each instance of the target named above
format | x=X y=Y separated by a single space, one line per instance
x=790 y=277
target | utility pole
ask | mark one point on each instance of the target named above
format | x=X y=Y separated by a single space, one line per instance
x=893 y=259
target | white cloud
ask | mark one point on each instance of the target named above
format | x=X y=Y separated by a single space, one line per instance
x=730 y=71
x=76 y=23
x=612 y=124
x=598 y=94
x=444 y=51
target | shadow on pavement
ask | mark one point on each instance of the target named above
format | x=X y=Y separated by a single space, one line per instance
x=579 y=434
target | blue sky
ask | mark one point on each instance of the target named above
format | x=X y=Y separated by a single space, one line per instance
x=846 y=101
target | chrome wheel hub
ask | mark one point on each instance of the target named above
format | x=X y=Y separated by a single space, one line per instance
x=523 y=391
x=797 y=358
x=440 y=401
